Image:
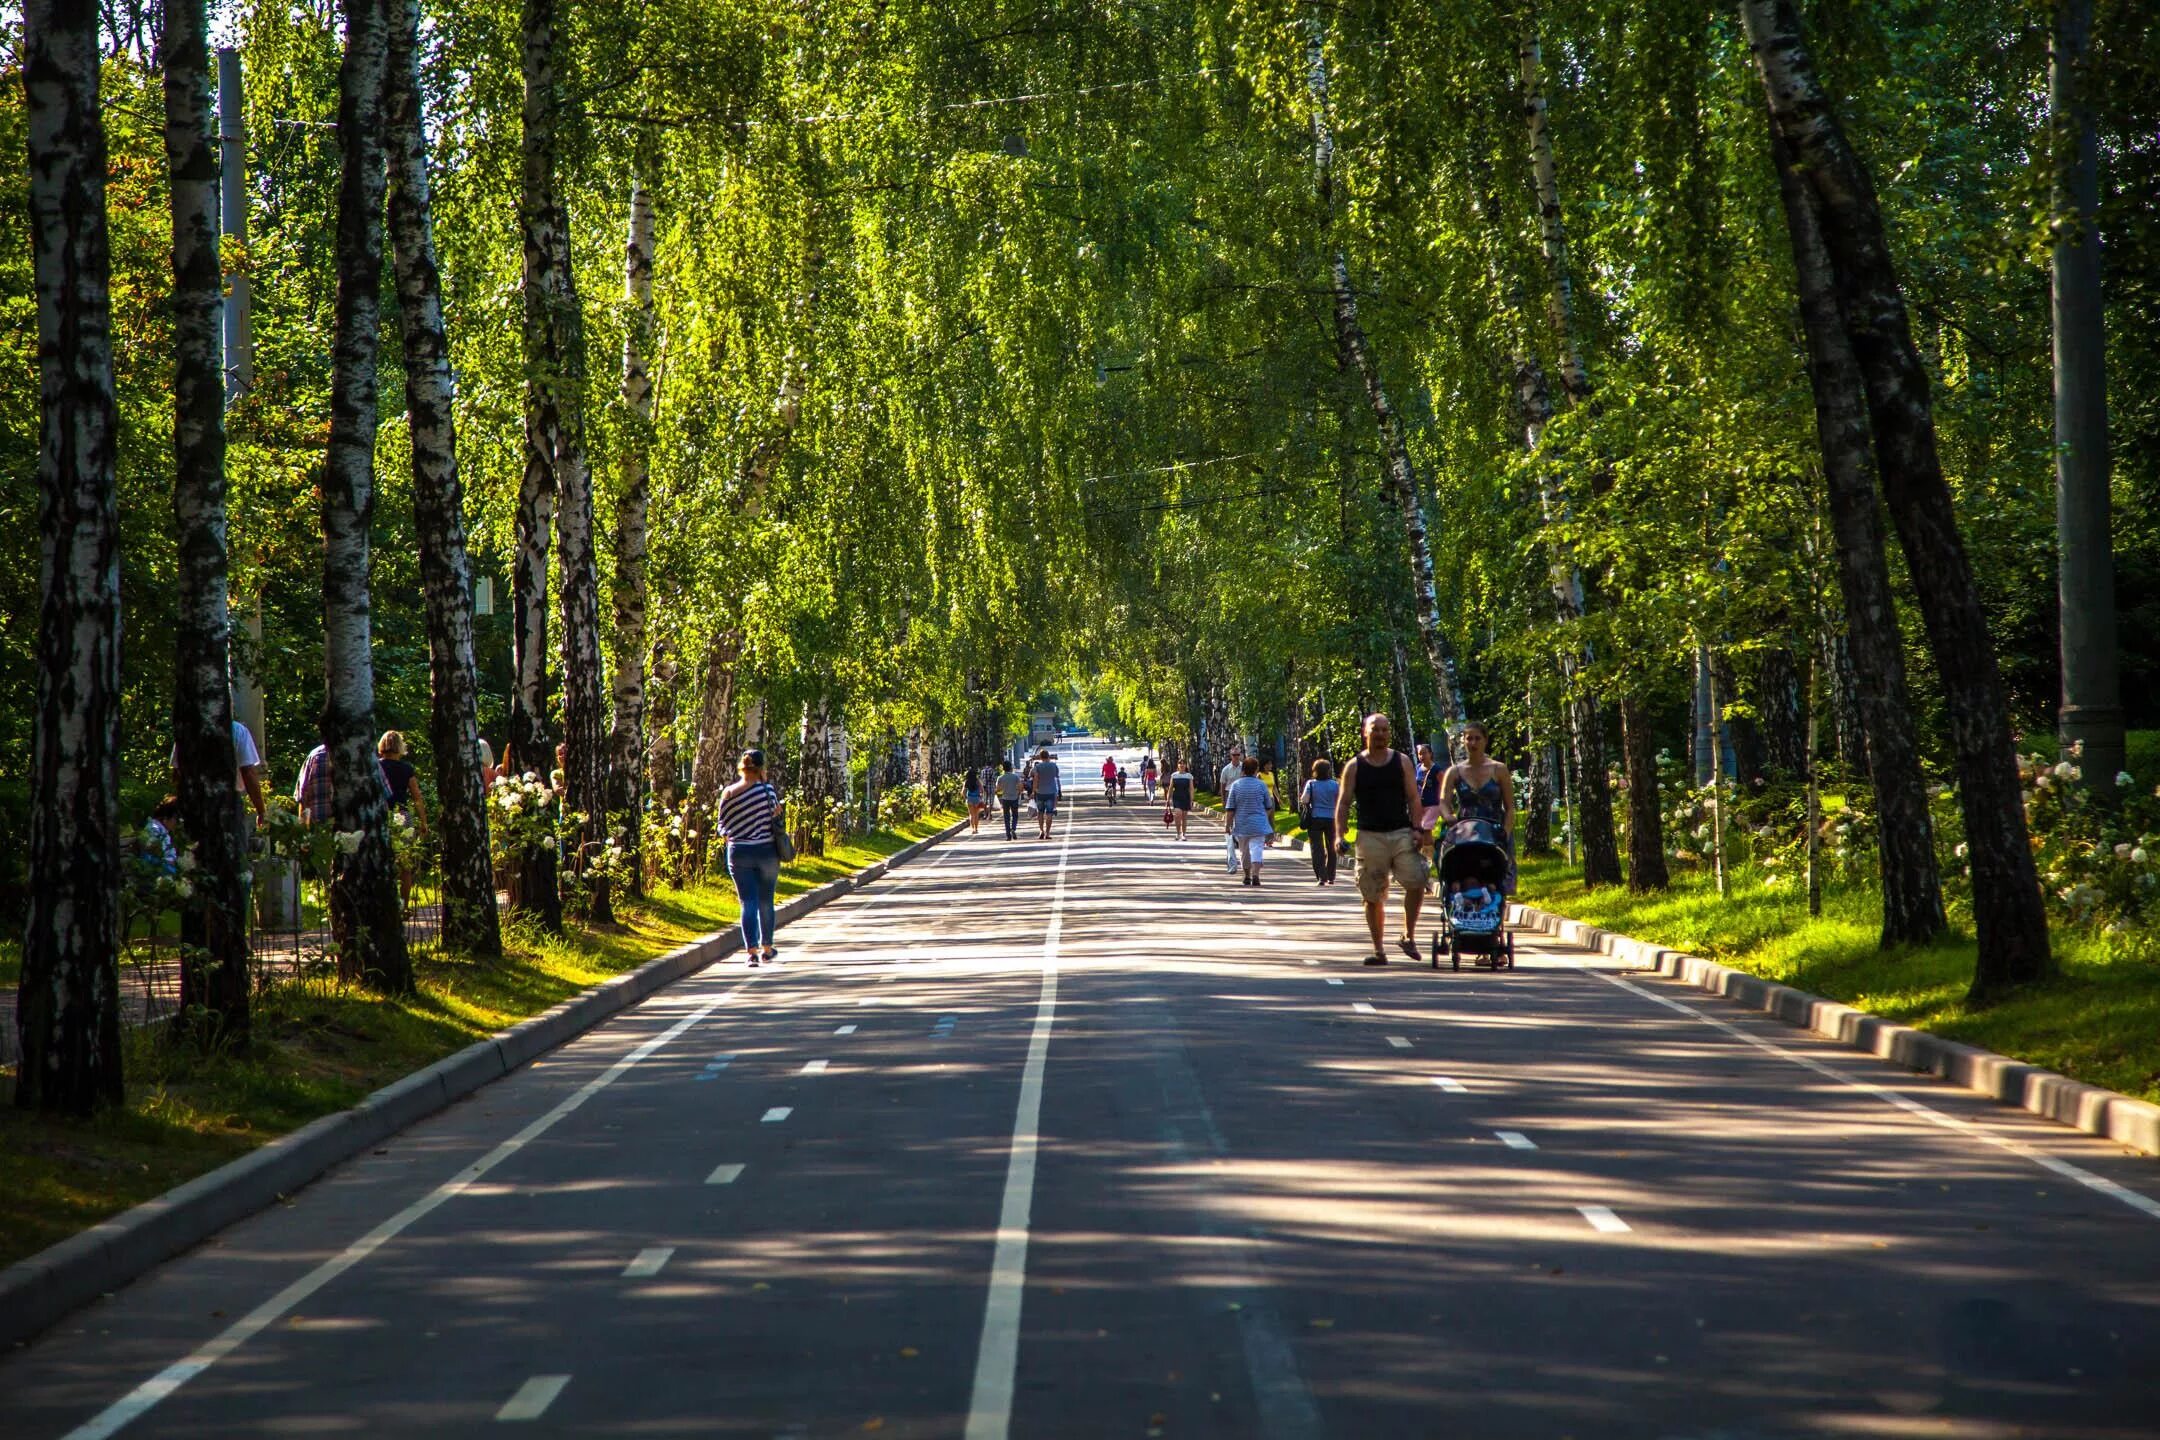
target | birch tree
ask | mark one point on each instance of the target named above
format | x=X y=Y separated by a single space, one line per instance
x=214 y=978
x=67 y=1013
x=2008 y=917
x=626 y=743
x=470 y=922
x=365 y=917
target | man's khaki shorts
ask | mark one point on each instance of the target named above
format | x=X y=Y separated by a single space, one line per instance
x=1383 y=853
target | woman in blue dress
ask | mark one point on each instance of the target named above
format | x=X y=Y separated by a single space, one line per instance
x=1478 y=787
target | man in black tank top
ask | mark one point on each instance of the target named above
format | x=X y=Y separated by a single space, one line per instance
x=1383 y=784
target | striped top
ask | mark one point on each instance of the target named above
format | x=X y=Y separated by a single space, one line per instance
x=746 y=816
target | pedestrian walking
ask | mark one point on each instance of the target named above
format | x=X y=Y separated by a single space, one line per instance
x=403 y=778
x=1248 y=819
x=1046 y=785
x=974 y=801
x=312 y=792
x=1233 y=770
x=1009 y=786
x=749 y=818
x=1382 y=782
x=1316 y=811
x=1121 y=784
x=1479 y=787
x=1148 y=771
x=1428 y=773
x=248 y=771
x=1181 y=799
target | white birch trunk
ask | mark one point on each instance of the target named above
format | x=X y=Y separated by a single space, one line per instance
x=627 y=742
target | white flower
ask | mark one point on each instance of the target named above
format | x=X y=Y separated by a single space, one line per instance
x=2124 y=780
x=1962 y=850
x=2122 y=850
x=183 y=888
x=2137 y=854
x=187 y=862
x=348 y=841
x=2064 y=770
x=2044 y=783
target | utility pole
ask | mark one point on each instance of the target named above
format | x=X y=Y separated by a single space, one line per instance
x=239 y=352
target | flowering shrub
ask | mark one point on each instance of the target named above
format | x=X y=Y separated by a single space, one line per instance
x=905 y=804
x=522 y=817
x=2096 y=860
x=949 y=792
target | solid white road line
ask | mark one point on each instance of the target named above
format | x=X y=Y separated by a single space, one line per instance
x=777 y=1114
x=1515 y=1140
x=1453 y=1087
x=814 y=1067
x=533 y=1398
x=2142 y=1203
x=997 y=1355
x=1400 y=1042
x=1362 y=1007
x=140 y=1400
x=1602 y=1220
x=648 y=1262
x=725 y=1174
x=845 y=1030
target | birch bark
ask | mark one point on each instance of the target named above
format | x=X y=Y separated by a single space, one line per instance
x=1912 y=885
x=626 y=744
x=214 y=930
x=2008 y=918
x=1399 y=472
x=68 y=1000
x=470 y=921
x=365 y=918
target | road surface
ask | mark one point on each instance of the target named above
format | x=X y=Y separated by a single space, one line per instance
x=1085 y=1139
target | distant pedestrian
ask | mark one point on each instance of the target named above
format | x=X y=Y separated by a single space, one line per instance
x=1232 y=771
x=248 y=770
x=1316 y=810
x=1248 y=820
x=974 y=801
x=749 y=818
x=1181 y=799
x=313 y=791
x=1045 y=783
x=1121 y=784
x=403 y=778
x=1009 y=784
x=1382 y=782
x=1428 y=782
x=1148 y=771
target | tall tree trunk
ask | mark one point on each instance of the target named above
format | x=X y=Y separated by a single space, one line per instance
x=68 y=1001
x=214 y=955
x=534 y=891
x=1783 y=714
x=470 y=923
x=2008 y=916
x=1911 y=881
x=365 y=918
x=1400 y=474
x=712 y=768
x=2092 y=712
x=661 y=758
x=1646 y=835
x=626 y=744
x=1837 y=660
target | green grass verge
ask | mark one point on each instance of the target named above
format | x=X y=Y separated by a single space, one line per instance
x=2098 y=1022
x=321 y=1048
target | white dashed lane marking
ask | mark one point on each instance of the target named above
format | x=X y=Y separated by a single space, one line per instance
x=1516 y=1140
x=845 y=1030
x=1400 y=1042
x=724 y=1175
x=1453 y=1087
x=1333 y=981
x=1603 y=1220
x=775 y=1115
x=815 y=1067
x=533 y=1398
x=714 y=1066
x=648 y=1262
x=1362 y=1007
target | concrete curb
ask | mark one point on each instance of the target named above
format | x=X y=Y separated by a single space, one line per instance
x=2104 y=1113
x=38 y=1292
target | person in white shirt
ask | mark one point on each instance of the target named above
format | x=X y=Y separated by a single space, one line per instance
x=248 y=759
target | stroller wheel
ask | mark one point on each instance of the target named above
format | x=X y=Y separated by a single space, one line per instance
x=1432 y=948
x=1454 y=954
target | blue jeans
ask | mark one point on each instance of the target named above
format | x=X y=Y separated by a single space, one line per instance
x=755 y=869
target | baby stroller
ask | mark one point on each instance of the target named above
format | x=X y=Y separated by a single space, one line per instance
x=1474 y=871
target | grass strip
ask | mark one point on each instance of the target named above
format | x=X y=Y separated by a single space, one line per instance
x=2098 y=1022
x=321 y=1047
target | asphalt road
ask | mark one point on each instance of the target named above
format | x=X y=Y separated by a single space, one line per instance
x=1085 y=1139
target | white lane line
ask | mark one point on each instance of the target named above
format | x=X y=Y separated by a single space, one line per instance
x=725 y=1174
x=714 y=1066
x=814 y=1067
x=1602 y=1220
x=144 y=1397
x=1400 y=1042
x=777 y=1114
x=1362 y=1007
x=1453 y=1087
x=1310 y=961
x=2142 y=1203
x=1333 y=981
x=997 y=1355
x=648 y=1262
x=845 y=1030
x=1515 y=1140
x=533 y=1398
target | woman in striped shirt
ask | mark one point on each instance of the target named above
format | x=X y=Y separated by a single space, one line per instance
x=749 y=812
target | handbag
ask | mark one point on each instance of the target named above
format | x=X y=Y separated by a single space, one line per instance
x=783 y=844
x=1169 y=815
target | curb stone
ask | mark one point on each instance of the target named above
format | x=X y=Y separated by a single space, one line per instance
x=2105 y=1113
x=43 y=1289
